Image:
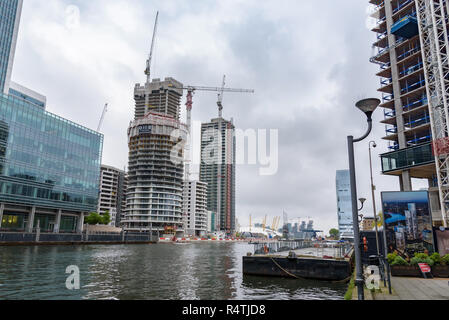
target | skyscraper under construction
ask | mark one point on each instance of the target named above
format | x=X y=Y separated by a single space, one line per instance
x=156 y=166
x=217 y=169
x=412 y=54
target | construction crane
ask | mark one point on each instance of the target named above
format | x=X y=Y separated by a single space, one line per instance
x=189 y=106
x=432 y=17
x=192 y=89
x=102 y=117
x=150 y=58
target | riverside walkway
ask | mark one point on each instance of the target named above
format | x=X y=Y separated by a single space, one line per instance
x=405 y=288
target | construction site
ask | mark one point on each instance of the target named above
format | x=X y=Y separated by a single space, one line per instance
x=161 y=197
x=410 y=49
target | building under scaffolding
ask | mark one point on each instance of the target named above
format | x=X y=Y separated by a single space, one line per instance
x=402 y=72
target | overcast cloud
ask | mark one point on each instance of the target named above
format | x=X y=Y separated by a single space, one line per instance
x=307 y=60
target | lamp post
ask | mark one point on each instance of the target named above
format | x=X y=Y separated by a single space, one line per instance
x=368 y=106
x=373 y=188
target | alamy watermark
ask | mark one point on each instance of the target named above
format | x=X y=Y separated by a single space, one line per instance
x=73 y=280
x=252 y=147
x=72 y=17
x=372 y=281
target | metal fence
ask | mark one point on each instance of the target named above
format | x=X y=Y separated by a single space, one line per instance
x=21 y=237
x=318 y=249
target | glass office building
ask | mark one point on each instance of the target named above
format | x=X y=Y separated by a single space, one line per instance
x=49 y=168
x=344 y=204
x=10 y=11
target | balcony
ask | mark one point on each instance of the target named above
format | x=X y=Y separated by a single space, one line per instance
x=419 y=160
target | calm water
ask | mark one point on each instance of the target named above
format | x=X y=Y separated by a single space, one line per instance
x=206 y=271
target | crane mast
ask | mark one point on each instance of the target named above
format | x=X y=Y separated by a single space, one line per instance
x=102 y=117
x=432 y=16
x=150 y=58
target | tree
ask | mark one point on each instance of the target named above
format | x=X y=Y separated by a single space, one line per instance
x=105 y=218
x=93 y=218
x=334 y=233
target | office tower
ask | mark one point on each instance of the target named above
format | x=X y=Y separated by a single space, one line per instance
x=156 y=165
x=217 y=169
x=194 y=208
x=113 y=183
x=49 y=166
x=404 y=88
x=10 y=11
x=344 y=204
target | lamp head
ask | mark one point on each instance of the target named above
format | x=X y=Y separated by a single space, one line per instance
x=362 y=200
x=368 y=106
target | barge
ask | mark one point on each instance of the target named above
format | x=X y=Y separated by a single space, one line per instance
x=308 y=263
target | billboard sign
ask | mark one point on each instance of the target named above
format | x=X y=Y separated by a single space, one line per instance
x=408 y=222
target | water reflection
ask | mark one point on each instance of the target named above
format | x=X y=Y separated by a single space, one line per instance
x=165 y=271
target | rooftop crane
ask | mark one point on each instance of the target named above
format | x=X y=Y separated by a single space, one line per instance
x=150 y=58
x=102 y=117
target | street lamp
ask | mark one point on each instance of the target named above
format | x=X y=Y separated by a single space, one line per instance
x=373 y=188
x=367 y=106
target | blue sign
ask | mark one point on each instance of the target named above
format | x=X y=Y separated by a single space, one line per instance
x=145 y=128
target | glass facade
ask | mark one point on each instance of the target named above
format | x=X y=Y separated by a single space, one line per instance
x=8 y=10
x=344 y=203
x=406 y=158
x=45 y=160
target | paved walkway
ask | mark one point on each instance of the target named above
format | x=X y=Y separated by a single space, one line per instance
x=405 y=288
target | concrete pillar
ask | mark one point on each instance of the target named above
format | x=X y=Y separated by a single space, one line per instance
x=30 y=223
x=80 y=226
x=58 y=221
x=2 y=208
x=406 y=184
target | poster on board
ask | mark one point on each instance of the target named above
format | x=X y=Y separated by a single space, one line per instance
x=408 y=222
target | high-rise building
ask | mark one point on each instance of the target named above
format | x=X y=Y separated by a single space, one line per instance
x=194 y=208
x=49 y=166
x=405 y=100
x=344 y=204
x=113 y=183
x=156 y=164
x=10 y=11
x=217 y=169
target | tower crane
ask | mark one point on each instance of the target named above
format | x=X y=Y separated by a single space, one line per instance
x=150 y=58
x=102 y=117
x=189 y=106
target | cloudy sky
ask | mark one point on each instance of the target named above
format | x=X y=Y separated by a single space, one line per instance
x=308 y=62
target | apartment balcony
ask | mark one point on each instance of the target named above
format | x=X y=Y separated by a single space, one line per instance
x=419 y=160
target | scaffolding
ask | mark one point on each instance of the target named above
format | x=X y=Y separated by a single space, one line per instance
x=432 y=17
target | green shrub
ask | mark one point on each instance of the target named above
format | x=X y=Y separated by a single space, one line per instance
x=436 y=258
x=399 y=261
x=391 y=257
x=445 y=259
x=421 y=258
